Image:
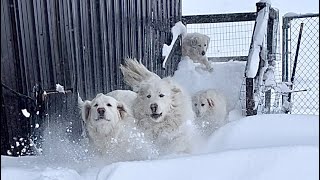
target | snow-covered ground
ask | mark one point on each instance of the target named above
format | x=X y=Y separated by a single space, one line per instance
x=258 y=147
x=261 y=147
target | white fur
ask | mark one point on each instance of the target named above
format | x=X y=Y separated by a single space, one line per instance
x=134 y=73
x=125 y=96
x=195 y=46
x=167 y=124
x=114 y=132
x=210 y=107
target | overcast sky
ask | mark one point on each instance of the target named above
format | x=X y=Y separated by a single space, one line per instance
x=233 y=6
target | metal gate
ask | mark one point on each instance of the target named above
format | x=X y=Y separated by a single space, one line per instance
x=305 y=99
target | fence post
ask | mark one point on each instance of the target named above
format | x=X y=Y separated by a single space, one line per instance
x=285 y=50
x=285 y=55
x=250 y=104
x=272 y=38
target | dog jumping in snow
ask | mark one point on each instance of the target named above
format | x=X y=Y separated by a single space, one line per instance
x=195 y=46
x=210 y=107
x=162 y=108
x=104 y=119
x=111 y=129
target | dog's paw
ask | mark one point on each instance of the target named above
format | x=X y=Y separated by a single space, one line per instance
x=210 y=69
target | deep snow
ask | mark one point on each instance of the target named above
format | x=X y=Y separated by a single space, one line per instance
x=258 y=147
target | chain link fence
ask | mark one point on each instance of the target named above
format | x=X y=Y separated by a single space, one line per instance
x=226 y=38
x=230 y=34
x=231 y=39
x=305 y=98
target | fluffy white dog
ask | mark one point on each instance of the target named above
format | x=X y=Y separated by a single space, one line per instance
x=111 y=129
x=195 y=46
x=162 y=108
x=125 y=96
x=210 y=107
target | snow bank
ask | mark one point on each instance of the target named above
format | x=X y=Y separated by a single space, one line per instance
x=260 y=164
x=266 y=131
x=261 y=147
x=226 y=77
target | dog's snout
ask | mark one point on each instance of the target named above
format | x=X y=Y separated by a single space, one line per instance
x=154 y=107
x=203 y=53
x=101 y=111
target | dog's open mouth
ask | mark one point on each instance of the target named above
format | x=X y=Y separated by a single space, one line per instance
x=156 y=116
x=102 y=118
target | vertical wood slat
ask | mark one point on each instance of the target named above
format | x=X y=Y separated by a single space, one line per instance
x=80 y=45
x=110 y=43
x=104 y=44
x=52 y=41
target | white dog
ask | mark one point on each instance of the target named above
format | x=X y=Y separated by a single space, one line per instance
x=210 y=107
x=162 y=108
x=112 y=130
x=125 y=96
x=195 y=46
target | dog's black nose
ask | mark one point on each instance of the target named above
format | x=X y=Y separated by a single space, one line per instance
x=101 y=111
x=154 y=107
x=203 y=53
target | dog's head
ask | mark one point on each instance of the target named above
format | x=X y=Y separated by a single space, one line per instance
x=157 y=99
x=201 y=104
x=200 y=43
x=102 y=113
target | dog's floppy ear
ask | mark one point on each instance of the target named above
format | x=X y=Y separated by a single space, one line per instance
x=210 y=102
x=194 y=41
x=85 y=109
x=122 y=109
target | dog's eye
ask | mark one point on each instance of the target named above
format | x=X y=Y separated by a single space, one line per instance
x=199 y=45
x=109 y=105
x=202 y=104
x=195 y=104
x=96 y=105
x=149 y=96
x=205 y=45
x=161 y=95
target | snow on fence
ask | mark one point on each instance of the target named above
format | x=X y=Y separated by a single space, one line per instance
x=262 y=88
x=306 y=81
x=78 y=44
x=233 y=38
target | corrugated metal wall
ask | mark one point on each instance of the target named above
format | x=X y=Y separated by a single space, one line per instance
x=78 y=44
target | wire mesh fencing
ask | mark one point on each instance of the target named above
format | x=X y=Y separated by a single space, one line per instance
x=305 y=98
x=227 y=39
x=230 y=34
x=231 y=39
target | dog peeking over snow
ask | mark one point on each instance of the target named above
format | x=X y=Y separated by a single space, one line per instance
x=162 y=108
x=195 y=46
x=210 y=107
